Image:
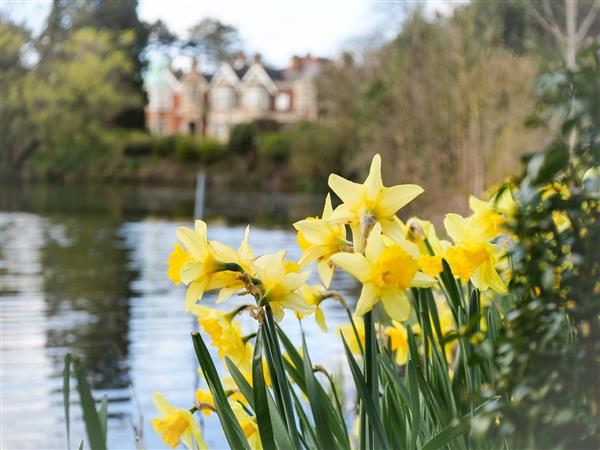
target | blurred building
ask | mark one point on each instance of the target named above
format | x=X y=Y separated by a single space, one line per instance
x=210 y=105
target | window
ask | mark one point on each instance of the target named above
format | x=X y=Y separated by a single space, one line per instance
x=222 y=97
x=283 y=101
x=256 y=97
x=161 y=99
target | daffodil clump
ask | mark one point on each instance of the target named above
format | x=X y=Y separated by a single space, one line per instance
x=419 y=303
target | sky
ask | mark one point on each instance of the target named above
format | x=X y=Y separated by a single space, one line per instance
x=277 y=29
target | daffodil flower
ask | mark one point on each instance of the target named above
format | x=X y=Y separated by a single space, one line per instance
x=347 y=332
x=226 y=335
x=491 y=215
x=314 y=296
x=280 y=283
x=431 y=248
x=369 y=202
x=177 y=424
x=197 y=262
x=248 y=425
x=399 y=340
x=386 y=270
x=204 y=401
x=473 y=257
x=319 y=239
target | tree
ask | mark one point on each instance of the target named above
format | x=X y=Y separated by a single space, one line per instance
x=213 y=40
x=14 y=144
x=71 y=113
x=562 y=22
x=66 y=17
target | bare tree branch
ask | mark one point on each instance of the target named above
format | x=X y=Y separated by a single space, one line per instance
x=587 y=22
x=548 y=10
x=545 y=23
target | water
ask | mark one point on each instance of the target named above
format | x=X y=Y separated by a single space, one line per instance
x=83 y=270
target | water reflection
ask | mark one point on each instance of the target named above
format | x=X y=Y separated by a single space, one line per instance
x=82 y=269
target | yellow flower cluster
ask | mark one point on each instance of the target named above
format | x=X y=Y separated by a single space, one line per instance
x=362 y=236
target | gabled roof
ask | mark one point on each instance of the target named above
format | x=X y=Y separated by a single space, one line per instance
x=258 y=74
x=225 y=75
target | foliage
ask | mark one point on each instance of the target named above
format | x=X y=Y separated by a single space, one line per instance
x=14 y=144
x=275 y=146
x=67 y=17
x=204 y=150
x=243 y=138
x=316 y=149
x=549 y=349
x=70 y=111
x=445 y=96
x=214 y=40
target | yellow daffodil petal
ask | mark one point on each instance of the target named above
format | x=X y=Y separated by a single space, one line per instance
x=200 y=227
x=277 y=311
x=368 y=297
x=353 y=263
x=486 y=276
x=373 y=183
x=422 y=280
x=312 y=254
x=327 y=209
x=193 y=242
x=477 y=205
x=296 y=303
x=347 y=190
x=396 y=303
x=395 y=197
x=223 y=252
x=314 y=231
x=162 y=405
x=191 y=270
x=456 y=227
x=320 y=319
x=226 y=292
x=375 y=246
x=325 y=270
x=194 y=293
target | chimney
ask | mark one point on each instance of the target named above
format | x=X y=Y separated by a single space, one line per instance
x=295 y=63
x=240 y=60
x=257 y=58
x=195 y=65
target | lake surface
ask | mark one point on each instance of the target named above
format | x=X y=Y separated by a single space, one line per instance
x=83 y=270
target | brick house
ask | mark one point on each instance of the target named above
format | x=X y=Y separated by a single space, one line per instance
x=210 y=105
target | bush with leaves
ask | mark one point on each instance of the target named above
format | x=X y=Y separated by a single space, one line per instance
x=548 y=350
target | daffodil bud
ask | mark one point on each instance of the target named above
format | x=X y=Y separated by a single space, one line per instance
x=415 y=231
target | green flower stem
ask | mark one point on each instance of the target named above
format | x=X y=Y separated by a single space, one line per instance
x=340 y=298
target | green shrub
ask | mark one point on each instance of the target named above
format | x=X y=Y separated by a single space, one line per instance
x=210 y=150
x=243 y=138
x=194 y=149
x=275 y=146
x=315 y=151
x=162 y=146
x=138 y=145
x=185 y=148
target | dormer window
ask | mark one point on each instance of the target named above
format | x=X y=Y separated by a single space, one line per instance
x=283 y=101
x=222 y=97
x=256 y=98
